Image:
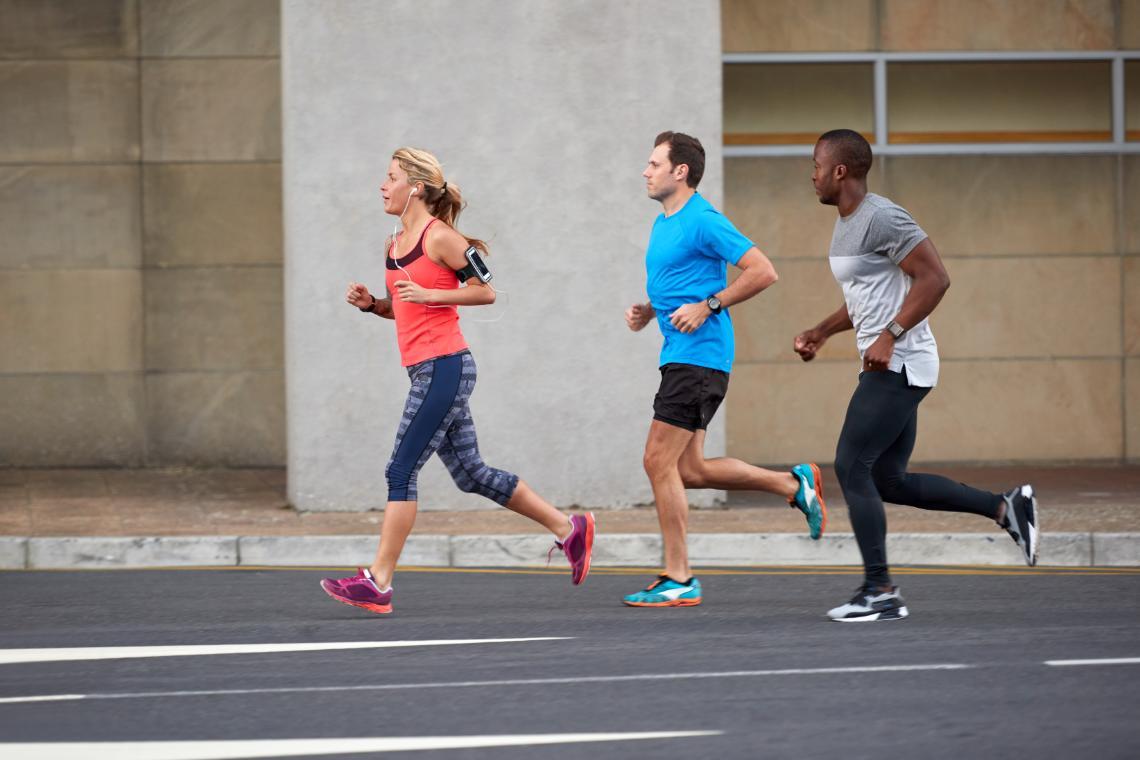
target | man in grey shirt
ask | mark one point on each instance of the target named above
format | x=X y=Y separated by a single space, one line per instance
x=892 y=279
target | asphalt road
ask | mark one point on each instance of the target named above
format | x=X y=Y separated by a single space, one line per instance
x=756 y=670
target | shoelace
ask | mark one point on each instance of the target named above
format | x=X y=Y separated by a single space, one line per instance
x=558 y=546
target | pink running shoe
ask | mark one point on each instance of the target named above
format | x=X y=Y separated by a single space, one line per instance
x=338 y=582
x=360 y=591
x=579 y=546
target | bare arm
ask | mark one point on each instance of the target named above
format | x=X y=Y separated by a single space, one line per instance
x=359 y=297
x=808 y=343
x=930 y=283
x=836 y=322
x=383 y=308
x=757 y=273
x=446 y=247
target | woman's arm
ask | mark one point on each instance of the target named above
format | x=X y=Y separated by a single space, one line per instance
x=446 y=247
x=359 y=297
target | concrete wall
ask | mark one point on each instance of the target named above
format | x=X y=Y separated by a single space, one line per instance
x=544 y=112
x=141 y=217
x=1040 y=333
x=141 y=269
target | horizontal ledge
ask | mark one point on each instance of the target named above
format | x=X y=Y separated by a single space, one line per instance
x=145 y=372
x=948 y=55
x=146 y=268
x=940 y=549
x=854 y=360
x=135 y=163
x=1005 y=136
x=780 y=138
x=936 y=138
x=136 y=58
x=947 y=149
x=945 y=255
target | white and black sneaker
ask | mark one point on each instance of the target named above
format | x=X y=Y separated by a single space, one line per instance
x=869 y=605
x=1021 y=520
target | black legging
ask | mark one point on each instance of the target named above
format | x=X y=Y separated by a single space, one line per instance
x=871 y=460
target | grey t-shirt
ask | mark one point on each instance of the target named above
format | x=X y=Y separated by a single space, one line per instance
x=866 y=249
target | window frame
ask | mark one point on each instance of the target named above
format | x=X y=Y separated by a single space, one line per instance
x=880 y=60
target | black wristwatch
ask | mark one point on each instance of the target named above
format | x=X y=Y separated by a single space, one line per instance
x=895 y=329
x=370 y=306
x=714 y=304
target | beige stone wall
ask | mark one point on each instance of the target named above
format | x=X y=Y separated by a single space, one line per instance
x=1040 y=331
x=141 y=269
x=140 y=208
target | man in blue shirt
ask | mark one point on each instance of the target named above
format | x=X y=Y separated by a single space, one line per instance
x=686 y=265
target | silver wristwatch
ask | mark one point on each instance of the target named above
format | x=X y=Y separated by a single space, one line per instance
x=895 y=329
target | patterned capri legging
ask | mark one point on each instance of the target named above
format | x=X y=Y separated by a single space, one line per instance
x=438 y=419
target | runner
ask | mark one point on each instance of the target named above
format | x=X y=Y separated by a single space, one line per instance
x=689 y=250
x=892 y=279
x=426 y=263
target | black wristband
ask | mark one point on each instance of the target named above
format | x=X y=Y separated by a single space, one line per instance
x=370 y=306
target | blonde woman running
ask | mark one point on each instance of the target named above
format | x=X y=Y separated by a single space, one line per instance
x=425 y=266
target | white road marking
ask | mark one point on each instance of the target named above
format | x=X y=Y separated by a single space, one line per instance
x=1110 y=661
x=63 y=654
x=510 y=682
x=248 y=748
x=43 y=698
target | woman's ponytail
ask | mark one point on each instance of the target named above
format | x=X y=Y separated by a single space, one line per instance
x=444 y=201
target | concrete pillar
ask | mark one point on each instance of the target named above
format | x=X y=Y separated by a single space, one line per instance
x=544 y=112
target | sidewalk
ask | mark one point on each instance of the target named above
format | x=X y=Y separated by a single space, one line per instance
x=115 y=518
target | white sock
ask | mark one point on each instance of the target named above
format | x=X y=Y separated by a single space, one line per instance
x=371 y=579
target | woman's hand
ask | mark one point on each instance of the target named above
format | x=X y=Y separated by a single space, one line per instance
x=358 y=295
x=409 y=292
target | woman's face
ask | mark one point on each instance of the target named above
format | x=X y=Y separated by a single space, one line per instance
x=395 y=190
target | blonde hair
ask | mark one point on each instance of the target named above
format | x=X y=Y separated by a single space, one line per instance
x=443 y=199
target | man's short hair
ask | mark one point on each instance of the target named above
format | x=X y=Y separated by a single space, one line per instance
x=850 y=149
x=685 y=149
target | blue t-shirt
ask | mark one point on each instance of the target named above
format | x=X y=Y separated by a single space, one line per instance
x=686 y=262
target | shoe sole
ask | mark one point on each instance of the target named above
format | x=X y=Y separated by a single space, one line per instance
x=671 y=603
x=379 y=609
x=1034 y=529
x=897 y=614
x=589 y=548
x=818 y=477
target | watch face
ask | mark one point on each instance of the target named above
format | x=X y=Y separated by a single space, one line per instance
x=714 y=303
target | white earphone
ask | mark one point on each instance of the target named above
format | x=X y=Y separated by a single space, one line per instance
x=395 y=231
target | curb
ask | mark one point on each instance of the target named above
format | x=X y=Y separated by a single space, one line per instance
x=612 y=550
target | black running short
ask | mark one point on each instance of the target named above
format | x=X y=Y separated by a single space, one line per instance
x=689 y=395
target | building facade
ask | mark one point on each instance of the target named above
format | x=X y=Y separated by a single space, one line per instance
x=148 y=317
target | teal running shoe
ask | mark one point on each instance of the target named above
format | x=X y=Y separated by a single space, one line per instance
x=809 y=497
x=666 y=592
